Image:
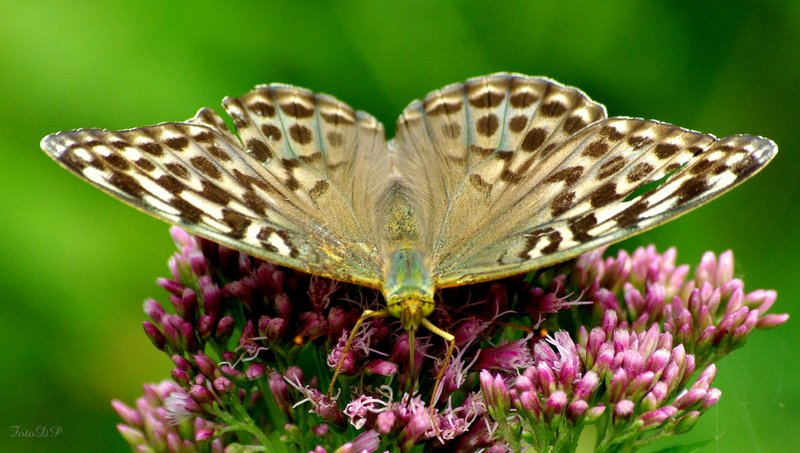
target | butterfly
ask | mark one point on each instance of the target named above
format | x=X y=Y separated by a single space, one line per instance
x=492 y=177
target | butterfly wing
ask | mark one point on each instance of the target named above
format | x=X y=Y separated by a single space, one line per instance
x=549 y=187
x=284 y=193
x=454 y=144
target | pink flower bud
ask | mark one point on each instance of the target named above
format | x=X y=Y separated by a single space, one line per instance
x=155 y=335
x=381 y=367
x=203 y=435
x=624 y=409
x=385 y=422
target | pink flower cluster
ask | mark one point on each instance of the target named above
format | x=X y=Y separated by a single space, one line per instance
x=609 y=341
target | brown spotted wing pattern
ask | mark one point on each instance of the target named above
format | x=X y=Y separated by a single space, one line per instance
x=505 y=174
x=528 y=173
x=286 y=189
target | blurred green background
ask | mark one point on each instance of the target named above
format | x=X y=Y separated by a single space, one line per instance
x=76 y=264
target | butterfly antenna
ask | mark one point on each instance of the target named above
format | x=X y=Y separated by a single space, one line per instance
x=368 y=314
x=451 y=340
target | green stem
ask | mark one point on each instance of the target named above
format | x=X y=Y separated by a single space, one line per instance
x=243 y=422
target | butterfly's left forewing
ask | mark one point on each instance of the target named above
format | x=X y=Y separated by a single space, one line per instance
x=275 y=196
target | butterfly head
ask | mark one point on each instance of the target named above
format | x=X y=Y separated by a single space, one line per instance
x=408 y=289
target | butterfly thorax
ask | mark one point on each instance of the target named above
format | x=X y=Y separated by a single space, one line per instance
x=408 y=288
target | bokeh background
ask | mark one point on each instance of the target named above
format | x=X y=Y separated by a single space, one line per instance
x=75 y=265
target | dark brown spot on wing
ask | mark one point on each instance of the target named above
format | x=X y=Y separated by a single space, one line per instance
x=290 y=164
x=503 y=154
x=518 y=123
x=264 y=235
x=547 y=150
x=611 y=133
x=311 y=158
x=237 y=222
x=271 y=132
x=478 y=183
x=666 y=150
x=562 y=203
x=116 y=161
x=510 y=177
x=218 y=153
x=300 y=134
x=249 y=181
x=203 y=137
x=320 y=187
x=692 y=188
x=523 y=100
x=555 y=242
x=611 y=167
x=639 y=141
x=581 y=226
x=296 y=110
x=639 y=171
x=569 y=175
x=604 y=195
x=177 y=169
x=720 y=168
x=152 y=148
x=262 y=109
x=254 y=202
x=76 y=163
x=126 y=183
x=632 y=214
x=488 y=100
x=259 y=150
x=171 y=184
x=553 y=109
x=188 y=212
x=531 y=240
x=215 y=193
x=487 y=125
x=745 y=167
x=145 y=165
x=534 y=139
x=573 y=124
x=595 y=149
x=206 y=167
x=239 y=121
x=177 y=143
x=702 y=166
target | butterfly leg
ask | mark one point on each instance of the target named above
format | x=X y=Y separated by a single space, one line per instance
x=437 y=387
x=368 y=314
